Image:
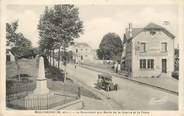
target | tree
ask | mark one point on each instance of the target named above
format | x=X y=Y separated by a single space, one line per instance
x=11 y=34
x=22 y=41
x=58 y=27
x=17 y=38
x=110 y=47
x=22 y=44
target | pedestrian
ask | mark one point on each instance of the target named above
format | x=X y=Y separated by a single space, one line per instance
x=76 y=62
x=115 y=67
x=119 y=68
x=116 y=87
x=75 y=66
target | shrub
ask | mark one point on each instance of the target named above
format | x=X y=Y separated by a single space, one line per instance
x=15 y=86
x=23 y=52
x=54 y=73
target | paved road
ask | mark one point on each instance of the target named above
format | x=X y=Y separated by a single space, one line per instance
x=131 y=96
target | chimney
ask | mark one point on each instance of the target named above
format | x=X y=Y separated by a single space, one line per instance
x=130 y=30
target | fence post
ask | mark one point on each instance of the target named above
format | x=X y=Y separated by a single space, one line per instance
x=79 y=92
x=47 y=102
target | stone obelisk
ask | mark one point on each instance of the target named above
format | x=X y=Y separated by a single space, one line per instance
x=41 y=81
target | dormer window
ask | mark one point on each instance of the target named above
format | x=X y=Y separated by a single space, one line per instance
x=152 y=33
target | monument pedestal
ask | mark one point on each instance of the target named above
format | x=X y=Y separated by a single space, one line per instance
x=41 y=87
x=41 y=81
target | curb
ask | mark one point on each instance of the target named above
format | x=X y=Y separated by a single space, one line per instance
x=68 y=104
x=138 y=82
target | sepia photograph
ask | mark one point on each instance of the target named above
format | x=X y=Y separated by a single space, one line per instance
x=92 y=57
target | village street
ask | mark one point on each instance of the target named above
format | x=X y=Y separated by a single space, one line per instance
x=130 y=96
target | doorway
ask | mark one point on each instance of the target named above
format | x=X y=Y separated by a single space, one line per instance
x=81 y=57
x=164 y=65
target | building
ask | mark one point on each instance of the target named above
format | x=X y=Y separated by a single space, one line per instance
x=9 y=55
x=82 y=52
x=148 y=51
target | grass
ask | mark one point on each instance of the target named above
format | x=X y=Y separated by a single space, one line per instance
x=29 y=68
x=54 y=73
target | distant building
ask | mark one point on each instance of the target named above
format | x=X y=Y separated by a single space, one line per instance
x=82 y=52
x=148 y=51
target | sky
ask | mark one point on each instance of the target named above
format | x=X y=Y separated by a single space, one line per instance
x=99 y=20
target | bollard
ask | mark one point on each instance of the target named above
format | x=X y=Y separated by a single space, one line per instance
x=79 y=92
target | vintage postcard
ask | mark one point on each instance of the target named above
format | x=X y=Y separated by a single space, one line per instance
x=96 y=58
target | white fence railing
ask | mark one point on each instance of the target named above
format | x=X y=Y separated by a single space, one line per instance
x=37 y=102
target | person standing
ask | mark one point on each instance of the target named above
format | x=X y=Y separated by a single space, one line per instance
x=75 y=65
x=76 y=62
x=115 y=67
x=119 y=68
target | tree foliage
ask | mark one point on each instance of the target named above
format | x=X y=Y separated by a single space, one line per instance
x=14 y=37
x=58 y=26
x=110 y=47
x=22 y=46
x=23 y=52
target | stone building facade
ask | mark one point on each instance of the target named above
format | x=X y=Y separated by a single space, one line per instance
x=148 y=51
x=82 y=52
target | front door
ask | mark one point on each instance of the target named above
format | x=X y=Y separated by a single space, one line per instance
x=81 y=57
x=164 y=65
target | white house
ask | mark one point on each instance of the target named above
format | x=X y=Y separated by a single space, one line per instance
x=148 y=51
x=82 y=52
x=9 y=56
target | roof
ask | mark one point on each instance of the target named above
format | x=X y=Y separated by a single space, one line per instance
x=106 y=75
x=82 y=44
x=153 y=26
x=135 y=31
x=150 y=26
x=9 y=51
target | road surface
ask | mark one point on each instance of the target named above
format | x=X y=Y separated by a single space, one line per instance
x=131 y=96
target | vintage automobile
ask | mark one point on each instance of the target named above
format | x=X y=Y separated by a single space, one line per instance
x=105 y=82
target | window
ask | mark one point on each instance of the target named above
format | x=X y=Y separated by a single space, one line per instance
x=146 y=64
x=152 y=33
x=143 y=47
x=164 y=46
x=76 y=50
x=142 y=63
x=150 y=63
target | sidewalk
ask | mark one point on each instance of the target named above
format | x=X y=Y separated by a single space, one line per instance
x=167 y=83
